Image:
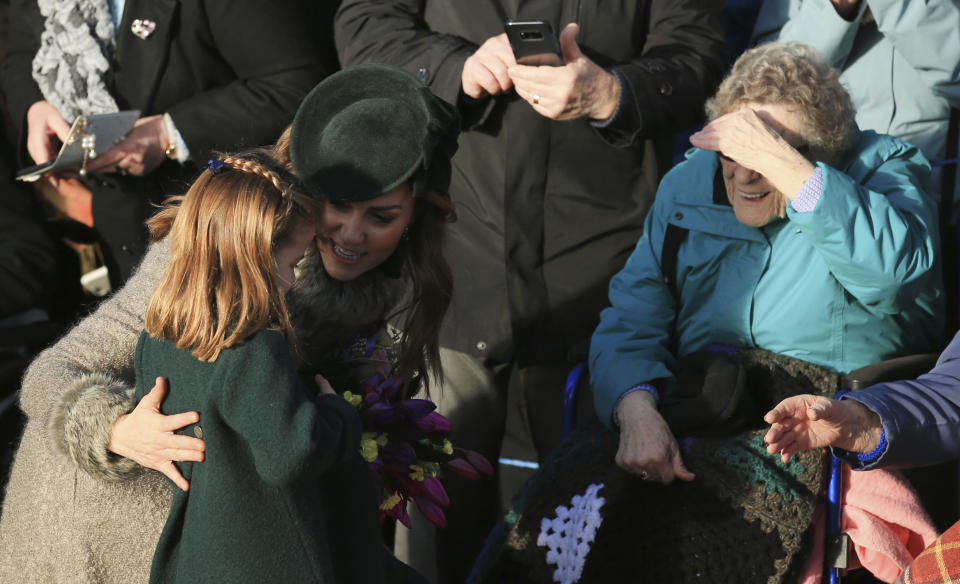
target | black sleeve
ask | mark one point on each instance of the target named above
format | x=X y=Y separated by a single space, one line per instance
x=682 y=61
x=19 y=89
x=394 y=33
x=270 y=48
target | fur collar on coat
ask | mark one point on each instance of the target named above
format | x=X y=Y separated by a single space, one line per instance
x=326 y=312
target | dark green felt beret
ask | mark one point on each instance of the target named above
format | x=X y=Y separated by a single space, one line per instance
x=365 y=130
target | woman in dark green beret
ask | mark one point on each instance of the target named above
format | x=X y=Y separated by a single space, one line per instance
x=376 y=145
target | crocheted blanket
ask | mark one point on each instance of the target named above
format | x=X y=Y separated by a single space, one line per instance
x=745 y=518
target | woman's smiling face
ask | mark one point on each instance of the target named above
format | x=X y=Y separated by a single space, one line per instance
x=755 y=201
x=356 y=237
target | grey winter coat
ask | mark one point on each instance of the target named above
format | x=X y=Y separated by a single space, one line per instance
x=76 y=513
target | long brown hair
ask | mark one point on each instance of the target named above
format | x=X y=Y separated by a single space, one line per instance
x=432 y=288
x=220 y=285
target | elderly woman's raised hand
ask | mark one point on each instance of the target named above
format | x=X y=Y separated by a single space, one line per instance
x=149 y=438
x=805 y=422
x=579 y=88
x=647 y=446
x=758 y=142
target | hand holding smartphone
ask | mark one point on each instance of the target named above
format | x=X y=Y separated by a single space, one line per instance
x=534 y=42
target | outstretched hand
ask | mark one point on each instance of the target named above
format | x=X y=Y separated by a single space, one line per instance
x=578 y=88
x=806 y=422
x=148 y=437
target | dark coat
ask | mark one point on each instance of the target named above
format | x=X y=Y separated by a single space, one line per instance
x=231 y=73
x=254 y=511
x=547 y=211
x=920 y=416
x=34 y=271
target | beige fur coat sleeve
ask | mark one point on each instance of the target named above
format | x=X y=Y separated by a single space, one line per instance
x=81 y=384
x=62 y=524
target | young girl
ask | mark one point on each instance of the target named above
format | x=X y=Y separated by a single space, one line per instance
x=87 y=436
x=217 y=329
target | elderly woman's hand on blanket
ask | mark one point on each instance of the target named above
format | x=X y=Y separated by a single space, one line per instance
x=647 y=446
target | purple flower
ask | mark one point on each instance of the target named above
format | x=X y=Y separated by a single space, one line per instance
x=434 y=488
x=434 y=422
x=431 y=511
x=417 y=408
x=479 y=462
x=412 y=449
x=463 y=468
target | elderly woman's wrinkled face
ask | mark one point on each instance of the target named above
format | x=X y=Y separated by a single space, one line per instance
x=356 y=237
x=755 y=201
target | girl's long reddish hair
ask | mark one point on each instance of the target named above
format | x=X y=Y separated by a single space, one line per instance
x=220 y=285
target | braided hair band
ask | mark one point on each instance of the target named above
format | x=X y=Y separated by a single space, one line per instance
x=279 y=182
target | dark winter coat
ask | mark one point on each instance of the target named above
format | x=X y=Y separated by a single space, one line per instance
x=547 y=211
x=229 y=73
x=253 y=512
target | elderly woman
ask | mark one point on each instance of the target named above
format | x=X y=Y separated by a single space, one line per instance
x=805 y=237
x=805 y=247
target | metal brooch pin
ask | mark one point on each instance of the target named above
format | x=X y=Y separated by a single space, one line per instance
x=143 y=27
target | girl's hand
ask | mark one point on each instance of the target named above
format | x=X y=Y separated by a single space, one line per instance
x=147 y=437
x=324 y=385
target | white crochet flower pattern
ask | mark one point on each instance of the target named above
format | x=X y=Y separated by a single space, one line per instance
x=569 y=535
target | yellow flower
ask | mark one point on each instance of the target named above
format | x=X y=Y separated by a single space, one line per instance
x=447 y=447
x=352 y=398
x=417 y=473
x=368 y=447
x=390 y=502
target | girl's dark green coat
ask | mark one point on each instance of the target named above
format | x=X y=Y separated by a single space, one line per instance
x=255 y=510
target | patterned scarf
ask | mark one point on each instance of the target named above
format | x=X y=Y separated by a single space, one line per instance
x=73 y=63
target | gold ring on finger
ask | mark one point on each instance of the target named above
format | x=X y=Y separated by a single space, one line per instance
x=536 y=99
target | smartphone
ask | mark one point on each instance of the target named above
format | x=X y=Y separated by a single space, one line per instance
x=534 y=42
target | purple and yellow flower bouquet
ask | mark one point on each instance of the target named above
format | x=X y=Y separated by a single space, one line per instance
x=405 y=443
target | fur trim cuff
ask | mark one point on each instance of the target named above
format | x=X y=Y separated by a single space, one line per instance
x=81 y=422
